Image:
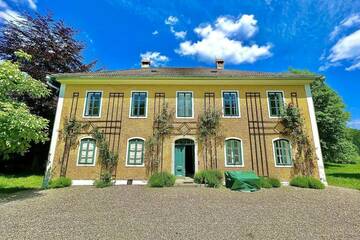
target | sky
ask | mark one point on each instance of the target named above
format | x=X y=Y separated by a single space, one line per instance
x=260 y=35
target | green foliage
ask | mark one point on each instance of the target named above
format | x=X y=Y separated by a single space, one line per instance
x=104 y=181
x=164 y=122
x=18 y=127
x=72 y=129
x=344 y=175
x=209 y=124
x=60 y=182
x=162 y=179
x=307 y=182
x=275 y=183
x=211 y=178
x=19 y=182
x=265 y=183
x=354 y=135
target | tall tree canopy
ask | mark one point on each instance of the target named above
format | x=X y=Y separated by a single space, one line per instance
x=331 y=119
x=18 y=127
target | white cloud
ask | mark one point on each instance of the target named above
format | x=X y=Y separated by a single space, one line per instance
x=179 y=34
x=156 y=32
x=171 y=20
x=224 y=39
x=156 y=59
x=3 y=4
x=32 y=4
x=351 y=21
x=9 y=15
x=354 y=124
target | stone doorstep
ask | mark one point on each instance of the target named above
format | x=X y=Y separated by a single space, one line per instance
x=185 y=181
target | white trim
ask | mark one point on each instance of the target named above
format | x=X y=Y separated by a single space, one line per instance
x=238 y=103
x=146 y=103
x=192 y=104
x=285 y=183
x=268 y=102
x=55 y=133
x=196 y=162
x=315 y=132
x=274 y=154
x=82 y=182
x=88 y=182
x=242 y=153
x=127 y=153
x=100 y=108
x=78 y=155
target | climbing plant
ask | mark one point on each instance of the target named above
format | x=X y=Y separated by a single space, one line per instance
x=209 y=132
x=294 y=128
x=72 y=129
x=163 y=126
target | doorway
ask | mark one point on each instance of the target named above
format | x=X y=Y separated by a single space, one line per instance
x=184 y=157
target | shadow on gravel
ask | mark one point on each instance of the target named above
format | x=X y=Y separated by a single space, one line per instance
x=14 y=194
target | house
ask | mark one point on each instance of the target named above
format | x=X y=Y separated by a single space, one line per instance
x=124 y=105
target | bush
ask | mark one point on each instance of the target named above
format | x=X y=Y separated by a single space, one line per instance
x=265 y=183
x=275 y=183
x=102 y=183
x=60 y=182
x=162 y=179
x=307 y=182
x=212 y=178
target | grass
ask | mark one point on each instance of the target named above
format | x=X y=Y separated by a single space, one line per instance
x=15 y=183
x=344 y=175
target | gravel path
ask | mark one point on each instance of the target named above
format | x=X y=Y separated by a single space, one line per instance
x=136 y=212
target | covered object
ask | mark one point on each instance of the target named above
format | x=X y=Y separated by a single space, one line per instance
x=244 y=181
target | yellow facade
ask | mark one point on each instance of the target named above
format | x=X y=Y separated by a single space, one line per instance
x=240 y=127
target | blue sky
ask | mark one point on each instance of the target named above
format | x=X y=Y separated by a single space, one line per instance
x=261 y=35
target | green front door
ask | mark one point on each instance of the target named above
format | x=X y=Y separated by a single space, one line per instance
x=179 y=160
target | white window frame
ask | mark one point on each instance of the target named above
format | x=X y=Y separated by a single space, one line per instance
x=192 y=104
x=274 y=153
x=268 y=101
x=146 y=103
x=242 y=153
x=100 y=107
x=78 y=155
x=223 y=107
x=127 y=153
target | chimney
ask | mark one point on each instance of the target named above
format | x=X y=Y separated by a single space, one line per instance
x=145 y=63
x=219 y=63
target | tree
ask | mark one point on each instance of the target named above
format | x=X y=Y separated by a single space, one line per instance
x=331 y=119
x=54 y=49
x=354 y=135
x=18 y=127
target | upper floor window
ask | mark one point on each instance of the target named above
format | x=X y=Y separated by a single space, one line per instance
x=92 y=104
x=233 y=153
x=231 y=104
x=138 y=104
x=135 y=155
x=276 y=103
x=282 y=151
x=87 y=152
x=184 y=104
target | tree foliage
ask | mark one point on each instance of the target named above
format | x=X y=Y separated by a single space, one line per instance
x=354 y=135
x=18 y=127
x=331 y=119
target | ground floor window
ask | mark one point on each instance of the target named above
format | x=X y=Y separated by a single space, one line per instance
x=282 y=150
x=135 y=156
x=233 y=152
x=87 y=151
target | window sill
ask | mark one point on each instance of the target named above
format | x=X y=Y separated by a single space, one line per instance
x=135 y=117
x=284 y=166
x=234 y=166
x=231 y=116
x=135 y=166
x=85 y=165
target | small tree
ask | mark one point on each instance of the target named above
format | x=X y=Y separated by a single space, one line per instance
x=18 y=127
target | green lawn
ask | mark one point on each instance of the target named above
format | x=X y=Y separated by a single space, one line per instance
x=15 y=183
x=343 y=175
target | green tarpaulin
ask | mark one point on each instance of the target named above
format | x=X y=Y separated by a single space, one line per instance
x=244 y=181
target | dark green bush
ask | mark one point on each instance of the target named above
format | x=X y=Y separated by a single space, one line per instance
x=265 y=183
x=212 y=178
x=162 y=179
x=102 y=183
x=307 y=182
x=275 y=183
x=60 y=182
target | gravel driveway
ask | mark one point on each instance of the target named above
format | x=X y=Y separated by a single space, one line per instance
x=137 y=212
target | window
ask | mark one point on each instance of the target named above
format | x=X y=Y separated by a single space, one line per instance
x=135 y=156
x=92 y=104
x=276 y=103
x=138 y=104
x=87 y=152
x=233 y=153
x=184 y=104
x=231 y=104
x=282 y=150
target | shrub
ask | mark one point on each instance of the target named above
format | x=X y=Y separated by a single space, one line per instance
x=162 y=179
x=60 y=182
x=307 y=182
x=212 y=177
x=275 y=183
x=265 y=183
x=101 y=183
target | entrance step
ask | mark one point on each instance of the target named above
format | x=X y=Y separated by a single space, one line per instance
x=185 y=181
